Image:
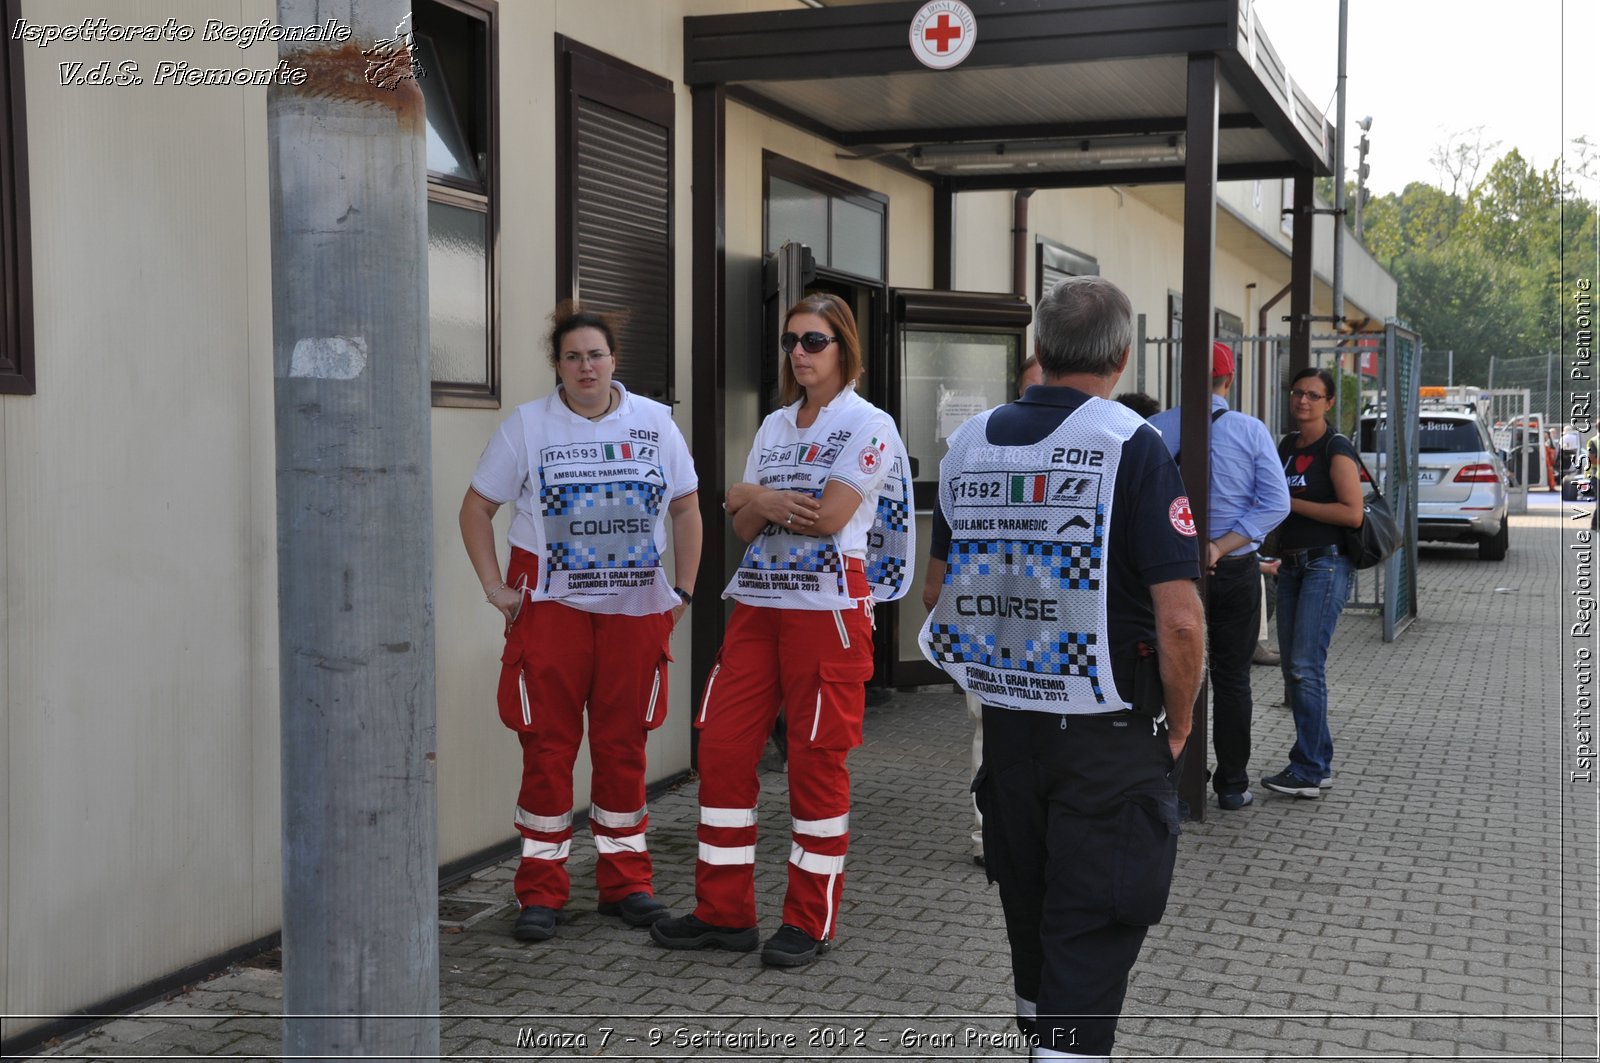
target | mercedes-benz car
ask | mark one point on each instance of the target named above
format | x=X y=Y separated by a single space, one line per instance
x=1462 y=492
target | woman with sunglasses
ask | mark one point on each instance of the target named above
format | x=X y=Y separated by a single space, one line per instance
x=1314 y=580
x=821 y=470
x=595 y=474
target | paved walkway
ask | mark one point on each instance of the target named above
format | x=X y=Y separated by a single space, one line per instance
x=1438 y=903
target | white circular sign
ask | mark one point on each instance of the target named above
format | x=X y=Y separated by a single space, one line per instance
x=942 y=33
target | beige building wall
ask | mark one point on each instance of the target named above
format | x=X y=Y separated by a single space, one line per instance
x=139 y=630
x=1136 y=235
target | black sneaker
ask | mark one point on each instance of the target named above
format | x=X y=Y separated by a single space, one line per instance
x=1287 y=782
x=1234 y=802
x=792 y=947
x=636 y=909
x=687 y=932
x=535 y=923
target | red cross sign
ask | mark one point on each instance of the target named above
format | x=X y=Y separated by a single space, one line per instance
x=942 y=33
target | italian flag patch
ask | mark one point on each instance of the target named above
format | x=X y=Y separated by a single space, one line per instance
x=1028 y=488
x=618 y=450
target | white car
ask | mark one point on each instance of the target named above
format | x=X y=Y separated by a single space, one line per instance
x=1461 y=479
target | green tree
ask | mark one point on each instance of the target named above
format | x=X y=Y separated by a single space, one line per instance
x=1483 y=268
x=1460 y=299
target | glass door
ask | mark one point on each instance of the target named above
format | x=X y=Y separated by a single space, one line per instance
x=957 y=354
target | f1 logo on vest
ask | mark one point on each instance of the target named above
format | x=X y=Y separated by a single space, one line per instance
x=943 y=33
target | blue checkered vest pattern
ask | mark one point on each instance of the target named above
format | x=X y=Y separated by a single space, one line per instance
x=1021 y=619
x=853 y=441
x=892 y=538
x=602 y=496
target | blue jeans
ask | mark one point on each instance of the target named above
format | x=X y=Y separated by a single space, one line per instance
x=1310 y=598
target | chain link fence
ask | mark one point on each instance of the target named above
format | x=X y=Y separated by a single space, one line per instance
x=1540 y=374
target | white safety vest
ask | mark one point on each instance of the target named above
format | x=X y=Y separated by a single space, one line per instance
x=1021 y=619
x=594 y=503
x=853 y=441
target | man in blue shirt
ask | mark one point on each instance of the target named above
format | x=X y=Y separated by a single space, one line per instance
x=1248 y=499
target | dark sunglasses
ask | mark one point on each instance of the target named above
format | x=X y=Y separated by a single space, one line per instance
x=810 y=342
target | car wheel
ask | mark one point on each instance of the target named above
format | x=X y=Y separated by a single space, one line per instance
x=1495 y=546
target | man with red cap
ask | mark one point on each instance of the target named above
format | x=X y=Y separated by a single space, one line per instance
x=1248 y=499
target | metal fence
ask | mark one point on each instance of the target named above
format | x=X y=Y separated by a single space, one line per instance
x=1540 y=375
x=1377 y=372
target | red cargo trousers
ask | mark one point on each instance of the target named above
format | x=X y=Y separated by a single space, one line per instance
x=813 y=663
x=558 y=661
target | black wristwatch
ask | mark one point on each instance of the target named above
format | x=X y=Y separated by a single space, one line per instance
x=688 y=599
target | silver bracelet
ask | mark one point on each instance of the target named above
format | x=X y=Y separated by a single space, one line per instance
x=490 y=596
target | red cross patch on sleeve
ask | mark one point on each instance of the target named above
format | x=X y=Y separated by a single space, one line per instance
x=1181 y=516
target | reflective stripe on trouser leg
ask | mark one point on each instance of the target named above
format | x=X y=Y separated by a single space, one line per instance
x=622 y=855
x=557 y=646
x=818 y=784
x=736 y=718
x=541 y=876
x=725 y=865
x=544 y=807
x=819 y=781
x=623 y=680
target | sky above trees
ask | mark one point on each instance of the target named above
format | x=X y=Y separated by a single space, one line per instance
x=1431 y=72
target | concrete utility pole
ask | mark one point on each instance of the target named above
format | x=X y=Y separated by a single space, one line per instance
x=355 y=544
x=1363 y=171
x=1338 y=175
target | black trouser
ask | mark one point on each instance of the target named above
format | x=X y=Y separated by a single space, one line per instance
x=1080 y=832
x=1233 y=627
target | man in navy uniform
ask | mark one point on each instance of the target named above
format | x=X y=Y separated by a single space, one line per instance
x=1249 y=498
x=1068 y=605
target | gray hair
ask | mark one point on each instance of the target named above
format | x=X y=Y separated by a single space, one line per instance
x=1082 y=326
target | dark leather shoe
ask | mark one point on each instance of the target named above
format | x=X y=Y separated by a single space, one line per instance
x=535 y=923
x=687 y=932
x=792 y=947
x=636 y=909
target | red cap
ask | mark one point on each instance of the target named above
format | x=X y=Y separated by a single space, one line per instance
x=1221 y=359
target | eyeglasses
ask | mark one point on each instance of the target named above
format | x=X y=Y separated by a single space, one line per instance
x=810 y=342
x=590 y=357
x=1309 y=396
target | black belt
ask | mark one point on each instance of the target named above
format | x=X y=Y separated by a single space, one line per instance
x=1293 y=558
x=1239 y=558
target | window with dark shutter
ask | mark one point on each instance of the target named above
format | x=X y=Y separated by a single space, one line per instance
x=614 y=207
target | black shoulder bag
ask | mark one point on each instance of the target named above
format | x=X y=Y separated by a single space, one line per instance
x=1379 y=535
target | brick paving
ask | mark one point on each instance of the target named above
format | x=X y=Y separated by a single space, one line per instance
x=1438 y=903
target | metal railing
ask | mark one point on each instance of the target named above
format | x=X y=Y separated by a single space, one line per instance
x=1388 y=383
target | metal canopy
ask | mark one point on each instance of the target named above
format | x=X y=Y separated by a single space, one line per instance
x=1055 y=94
x=1068 y=73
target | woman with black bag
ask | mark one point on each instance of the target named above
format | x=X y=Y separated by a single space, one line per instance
x=1325 y=499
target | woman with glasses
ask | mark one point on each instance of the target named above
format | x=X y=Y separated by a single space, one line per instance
x=822 y=469
x=596 y=475
x=1324 y=499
